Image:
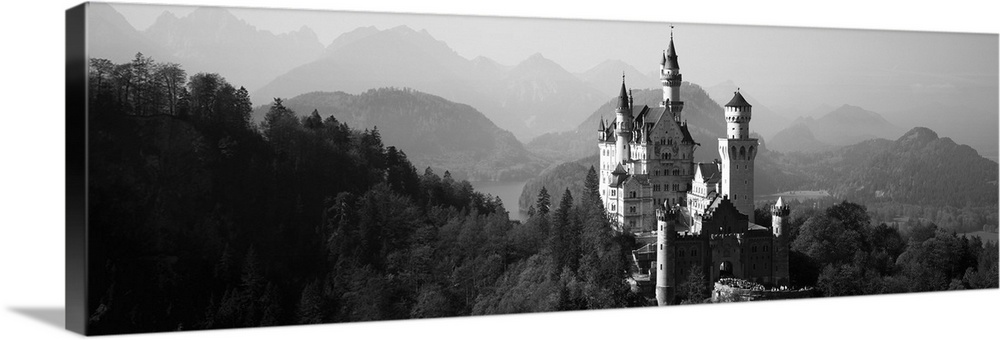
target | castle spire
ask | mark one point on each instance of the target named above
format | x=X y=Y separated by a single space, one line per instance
x=670 y=57
x=623 y=96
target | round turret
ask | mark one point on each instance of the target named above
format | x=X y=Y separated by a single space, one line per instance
x=738 y=114
x=779 y=209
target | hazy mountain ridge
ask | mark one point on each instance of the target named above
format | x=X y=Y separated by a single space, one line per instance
x=213 y=38
x=429 y=129
x=797 y=138
x=119 y=41
x=917 y=168
x=606 y=74
x=209 y=39
x=844 y=125
x=533 y=97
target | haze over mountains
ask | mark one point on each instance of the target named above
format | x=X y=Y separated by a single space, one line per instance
x=535 y=97
x=918 y=167
x=432 y=131
x=209 y=39
x=528 y=99
x=845 y=125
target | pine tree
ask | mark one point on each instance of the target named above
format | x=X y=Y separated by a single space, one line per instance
x=543 y=202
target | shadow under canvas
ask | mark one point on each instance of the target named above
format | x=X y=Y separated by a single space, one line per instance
x=54 y=316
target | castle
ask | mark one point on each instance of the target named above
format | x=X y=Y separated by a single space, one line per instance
x=687 y=214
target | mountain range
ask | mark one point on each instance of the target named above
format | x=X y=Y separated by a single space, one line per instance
x=432 y=131
x=605 y=75
x=845 y=125
x=918 y=167
x=533 y=97
x=209 y=39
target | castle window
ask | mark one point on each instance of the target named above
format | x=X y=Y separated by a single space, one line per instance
x=614 y=207
x=681 y=253
x=765 y=248
x=694 y=252
x=631 y=209
x=677 y=172
x=632 y=194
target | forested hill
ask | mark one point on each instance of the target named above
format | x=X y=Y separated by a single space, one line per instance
x=566 y=176
x=431 y=130
x=199 y=219
x=704 y=117
x=918 y=168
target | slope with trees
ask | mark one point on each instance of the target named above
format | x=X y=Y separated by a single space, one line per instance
x=201 y=219
x=436 y=132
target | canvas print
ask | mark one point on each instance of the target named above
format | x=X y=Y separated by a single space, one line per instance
x=258 y=167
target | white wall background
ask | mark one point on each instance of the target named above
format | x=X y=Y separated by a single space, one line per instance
x=32 y=187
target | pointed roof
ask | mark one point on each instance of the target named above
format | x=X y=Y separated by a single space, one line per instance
x=779 y=203
x=619 y=170
x=664 y=60
x=601 y=128
x=708 y=172
x=738 y=101
x=623 y=96
x=671 y=55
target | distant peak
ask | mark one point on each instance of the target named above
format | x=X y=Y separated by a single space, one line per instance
x=212 y=12
x=402 y=29
x=166 y=15
x=918 y=134
x=537 y=55
x=538 y=60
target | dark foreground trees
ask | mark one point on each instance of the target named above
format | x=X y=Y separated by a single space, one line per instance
x=842 y=253
x=200 y=219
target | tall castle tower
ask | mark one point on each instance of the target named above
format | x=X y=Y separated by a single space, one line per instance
x=779 y=224
x=670 y=78
x=738 y=151
x=666 y=239
x=623 y=126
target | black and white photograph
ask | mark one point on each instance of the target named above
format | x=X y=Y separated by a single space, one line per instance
x=243 y=167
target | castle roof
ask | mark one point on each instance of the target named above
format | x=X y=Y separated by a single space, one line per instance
x=687 y=134
x=671 y=57
x=779 y=203
x=601 y=128
x=619 y=170
x=708 y=172
x=623 y=96
x=738 y=101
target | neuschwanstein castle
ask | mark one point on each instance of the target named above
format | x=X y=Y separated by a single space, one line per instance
x=688 y=214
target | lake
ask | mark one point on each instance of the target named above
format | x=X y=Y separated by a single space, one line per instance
x=508 y=191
